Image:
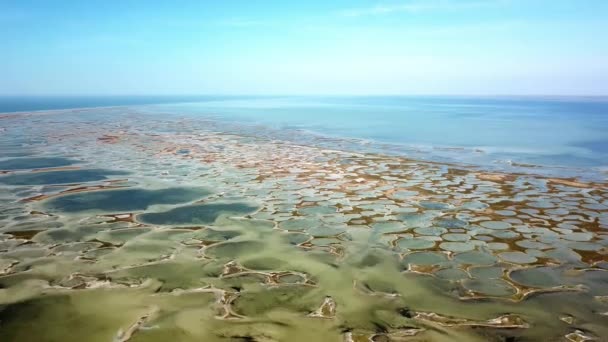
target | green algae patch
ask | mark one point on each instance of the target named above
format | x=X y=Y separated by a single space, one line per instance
x=376 y=249
x=172 y=274
x=213 y=235
x=264 y=263
x=120 y=236
x=294 y=298
x=123 y=200
x=415 y=243
x=197 y=214
x=425 y=258
x=60 y=177
x=452 y=274
x=475 y=258
x=231 y=250
x=34 y=163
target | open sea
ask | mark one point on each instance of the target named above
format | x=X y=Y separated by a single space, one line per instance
x=562 y=136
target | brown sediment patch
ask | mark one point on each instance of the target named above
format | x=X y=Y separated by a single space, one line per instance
x=501 y=205
x=569 y=182
x=41 y=213
x=509 y=321
x=25 y=234
x=105 y=244
x=63 y=168
x=457 y=172
x=261 y=178
x=526 y=165
x=193 y=228
x=307 y=245
x=592 y=226
x=109 y=139
x=592 y=257
x=112 y=181
x=495 y=177
x=35 y=198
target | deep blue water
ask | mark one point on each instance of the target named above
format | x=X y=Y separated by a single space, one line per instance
x=495 y=132
x=34 y=103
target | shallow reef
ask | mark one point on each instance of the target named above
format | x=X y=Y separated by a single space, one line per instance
x=145 y=227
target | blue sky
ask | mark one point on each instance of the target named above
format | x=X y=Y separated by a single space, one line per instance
x=545 y=47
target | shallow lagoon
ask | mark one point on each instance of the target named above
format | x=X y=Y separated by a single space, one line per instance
x=60 y=177
x=205 y=235
x=34 y=163
x=123 y=199
x=196 y=214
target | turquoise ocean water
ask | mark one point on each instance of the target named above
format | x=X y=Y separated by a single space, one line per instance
x=565 y=136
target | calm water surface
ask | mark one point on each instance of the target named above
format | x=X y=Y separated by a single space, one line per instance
x=222 y=220
x=568 y=134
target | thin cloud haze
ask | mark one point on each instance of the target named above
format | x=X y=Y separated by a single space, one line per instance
x=419 y=6
x=313 y=47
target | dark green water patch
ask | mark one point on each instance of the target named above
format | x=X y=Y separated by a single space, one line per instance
x=123 y=200
x=542 y=277
x=296 y=238
x=486 y=272
x=264 y=263
x=434 y=205
x=425 y=258
x=34 y=163
x=451 y=223
x=233 y=249
x=13 y=154
x=453 y=274
x=240 y=281
x=196 y=214
x=172 y=274
x=215 y=235
x=64 y=235
x=294 y=298
x=120 y=236
x=475 y=258
x=59 y=177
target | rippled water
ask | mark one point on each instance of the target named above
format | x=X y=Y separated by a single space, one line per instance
x=152 y=224
x=561 y=136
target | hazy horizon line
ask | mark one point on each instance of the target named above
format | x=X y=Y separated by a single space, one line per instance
x=308 y=95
